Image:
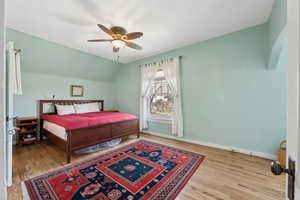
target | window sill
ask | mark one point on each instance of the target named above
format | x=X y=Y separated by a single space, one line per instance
x=161 y=121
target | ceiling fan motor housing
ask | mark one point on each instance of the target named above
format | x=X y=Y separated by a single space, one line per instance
x=118 y=32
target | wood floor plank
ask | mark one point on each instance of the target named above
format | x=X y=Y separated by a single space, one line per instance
x=223 y=175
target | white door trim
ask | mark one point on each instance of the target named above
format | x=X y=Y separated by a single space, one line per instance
x=293 y=122
x=3 y=194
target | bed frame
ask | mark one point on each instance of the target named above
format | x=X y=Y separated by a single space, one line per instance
x=85 y=137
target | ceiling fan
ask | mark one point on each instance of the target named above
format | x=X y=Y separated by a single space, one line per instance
x=120 y=37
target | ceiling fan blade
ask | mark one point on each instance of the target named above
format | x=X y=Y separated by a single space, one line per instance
x=106 y=30
x=133 y=45
x=100 y=40
x=133 y=35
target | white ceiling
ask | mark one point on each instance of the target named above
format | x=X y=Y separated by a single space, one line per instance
x=166 y=24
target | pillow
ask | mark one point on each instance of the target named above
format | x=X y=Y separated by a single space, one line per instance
x=65 y=109
x=86 y=108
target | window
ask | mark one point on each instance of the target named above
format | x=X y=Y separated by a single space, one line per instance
x=162 y=100
x=160 y=95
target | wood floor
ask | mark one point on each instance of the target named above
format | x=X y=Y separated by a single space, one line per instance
x=223 y=175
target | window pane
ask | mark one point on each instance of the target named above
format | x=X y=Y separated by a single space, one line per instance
x=162 y=101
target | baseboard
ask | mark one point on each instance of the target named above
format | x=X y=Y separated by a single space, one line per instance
x=3 y=192
x=218 y=146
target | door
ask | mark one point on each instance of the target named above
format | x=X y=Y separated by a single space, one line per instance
x=9 y=111
x=2 y=101
x=293 y=115
x=293 y=124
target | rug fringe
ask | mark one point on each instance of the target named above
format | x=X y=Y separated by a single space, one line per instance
x=24 y=191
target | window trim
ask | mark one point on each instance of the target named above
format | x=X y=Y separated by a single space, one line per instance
x=159 y=119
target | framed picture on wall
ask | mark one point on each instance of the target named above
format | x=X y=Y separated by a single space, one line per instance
x=76 y=91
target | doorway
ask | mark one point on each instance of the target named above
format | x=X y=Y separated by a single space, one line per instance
x=2 y=101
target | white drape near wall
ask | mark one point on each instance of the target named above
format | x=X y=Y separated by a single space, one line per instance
x=17 y=81
x=15 y=67
x=171 y=68
x=147 y=77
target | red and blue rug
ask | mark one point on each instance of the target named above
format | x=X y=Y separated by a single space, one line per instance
x=141 y=170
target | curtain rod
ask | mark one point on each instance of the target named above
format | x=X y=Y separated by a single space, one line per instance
x=17 y=50
x=161 y=61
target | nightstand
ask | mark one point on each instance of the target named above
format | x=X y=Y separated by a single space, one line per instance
x=27 y=130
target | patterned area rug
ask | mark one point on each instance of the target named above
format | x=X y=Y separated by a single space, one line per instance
x=141 y=170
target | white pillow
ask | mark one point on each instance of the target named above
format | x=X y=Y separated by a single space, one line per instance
x=65 y=109
x=86 y=108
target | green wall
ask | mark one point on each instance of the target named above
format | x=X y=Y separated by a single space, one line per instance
x=277 y=33
x=277 y=21
x=229 y=96
x=44 y=57
x=41 y=86
x=49 y=69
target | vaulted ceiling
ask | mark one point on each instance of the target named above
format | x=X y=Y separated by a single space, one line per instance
x=166 y=25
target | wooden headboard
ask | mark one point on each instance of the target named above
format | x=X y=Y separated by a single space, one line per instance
x=66 y=102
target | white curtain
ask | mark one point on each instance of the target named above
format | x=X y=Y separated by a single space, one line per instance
x=171 y=70
x=16 y=69
x=147 y=77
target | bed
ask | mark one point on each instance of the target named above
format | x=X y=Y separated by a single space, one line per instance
x=78 y=131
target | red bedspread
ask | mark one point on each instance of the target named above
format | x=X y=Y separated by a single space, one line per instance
x=75 y=121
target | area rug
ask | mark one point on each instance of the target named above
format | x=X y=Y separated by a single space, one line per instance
x=141 y=170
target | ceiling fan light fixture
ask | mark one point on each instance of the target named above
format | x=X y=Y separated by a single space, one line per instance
x=118 y=43
x=119 y=38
